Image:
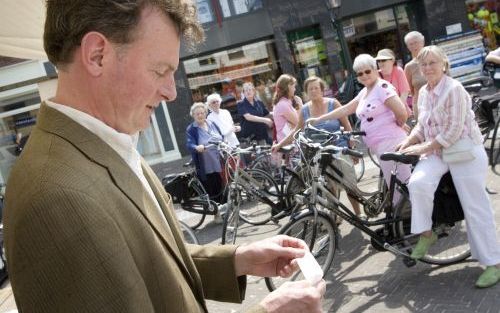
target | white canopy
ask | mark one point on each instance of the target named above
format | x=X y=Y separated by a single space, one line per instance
x=21 y=29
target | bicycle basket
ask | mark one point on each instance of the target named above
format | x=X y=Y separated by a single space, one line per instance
x=177 y=186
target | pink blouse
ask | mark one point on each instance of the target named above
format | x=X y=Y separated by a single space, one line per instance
x=445 y=114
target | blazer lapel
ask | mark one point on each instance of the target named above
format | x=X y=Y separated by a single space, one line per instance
x=123 y=177
x=165 y=203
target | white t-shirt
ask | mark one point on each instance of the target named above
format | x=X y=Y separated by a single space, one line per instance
x=225 y=122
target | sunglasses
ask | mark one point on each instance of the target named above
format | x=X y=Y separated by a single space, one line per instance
x=366 y=72
x=382 y=61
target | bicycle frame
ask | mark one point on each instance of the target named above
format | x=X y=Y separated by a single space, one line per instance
x=328 y=200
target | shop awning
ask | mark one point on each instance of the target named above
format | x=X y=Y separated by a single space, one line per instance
x=21 y=28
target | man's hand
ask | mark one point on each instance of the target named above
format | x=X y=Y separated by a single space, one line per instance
x=200 y=148
x=270 y=257
x=295 y=297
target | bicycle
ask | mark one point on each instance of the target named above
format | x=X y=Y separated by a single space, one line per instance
x=394 y=232
x=273 y=200
x=485 y=103
x=187 y=191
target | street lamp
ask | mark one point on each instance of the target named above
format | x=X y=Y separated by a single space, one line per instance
x=333 y=7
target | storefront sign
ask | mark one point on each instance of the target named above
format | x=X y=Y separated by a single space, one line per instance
x=349 y=30
x=196 y=82
x=454 y=29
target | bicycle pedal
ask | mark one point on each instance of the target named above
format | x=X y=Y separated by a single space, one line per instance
x=409 y=262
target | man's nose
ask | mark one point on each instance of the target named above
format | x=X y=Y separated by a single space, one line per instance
x=168 y=90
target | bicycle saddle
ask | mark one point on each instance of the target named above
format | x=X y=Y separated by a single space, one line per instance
x=287 y=149
x=399 y=157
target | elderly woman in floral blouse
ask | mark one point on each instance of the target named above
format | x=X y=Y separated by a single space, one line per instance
x=446 y=118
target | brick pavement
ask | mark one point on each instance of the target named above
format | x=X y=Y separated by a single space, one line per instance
x=364 y=280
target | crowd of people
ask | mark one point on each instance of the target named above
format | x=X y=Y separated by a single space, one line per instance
x=91 y=209
x=441 y=110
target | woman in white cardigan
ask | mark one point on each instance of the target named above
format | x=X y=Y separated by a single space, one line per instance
x=223 y=119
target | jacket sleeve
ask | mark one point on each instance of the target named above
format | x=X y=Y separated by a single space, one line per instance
x=191 y=141
x=221 y=284
x=94 y=268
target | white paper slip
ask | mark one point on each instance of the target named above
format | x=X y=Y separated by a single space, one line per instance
x=310 y=268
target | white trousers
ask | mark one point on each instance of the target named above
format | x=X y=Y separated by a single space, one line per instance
x=469 y=179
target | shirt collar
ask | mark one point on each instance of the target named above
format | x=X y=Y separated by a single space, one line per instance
x=124 y=144
x=439 y=87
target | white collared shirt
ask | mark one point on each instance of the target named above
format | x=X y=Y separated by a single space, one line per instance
x=124 y=144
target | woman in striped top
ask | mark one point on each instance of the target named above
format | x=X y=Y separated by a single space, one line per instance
x=445 y=116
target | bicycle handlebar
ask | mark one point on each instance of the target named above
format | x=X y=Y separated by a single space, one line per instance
x=354 y=153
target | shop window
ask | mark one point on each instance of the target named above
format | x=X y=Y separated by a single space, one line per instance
x=378 y=30
x=310 y=55
x=236 y=55
x=205 y=14
x=236 y=7
x=206 y=61
x=483 y=16
x=17 y=118
x=255 y=62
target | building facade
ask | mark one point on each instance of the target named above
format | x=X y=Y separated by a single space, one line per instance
x=258 y=40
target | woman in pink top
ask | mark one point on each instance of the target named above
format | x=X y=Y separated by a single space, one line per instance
x=381 y=112
x=391 y=72
x=284 y=113
x=445 y=117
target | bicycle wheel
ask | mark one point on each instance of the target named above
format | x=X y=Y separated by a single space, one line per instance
x=359 y=168
x=263 y=162
x=188 y=233
x=231 y=218
x=494 y=151
x=373 y=158
x=320 y=234
x=452 y=246
x=253 y=211
x=199 y=201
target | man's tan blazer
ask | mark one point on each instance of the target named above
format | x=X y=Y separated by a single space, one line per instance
x=83 y=235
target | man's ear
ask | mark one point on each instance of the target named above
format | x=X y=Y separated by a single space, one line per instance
x=93 y=48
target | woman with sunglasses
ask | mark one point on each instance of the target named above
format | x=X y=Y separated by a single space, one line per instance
x=381 y=112
x=391 y=72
